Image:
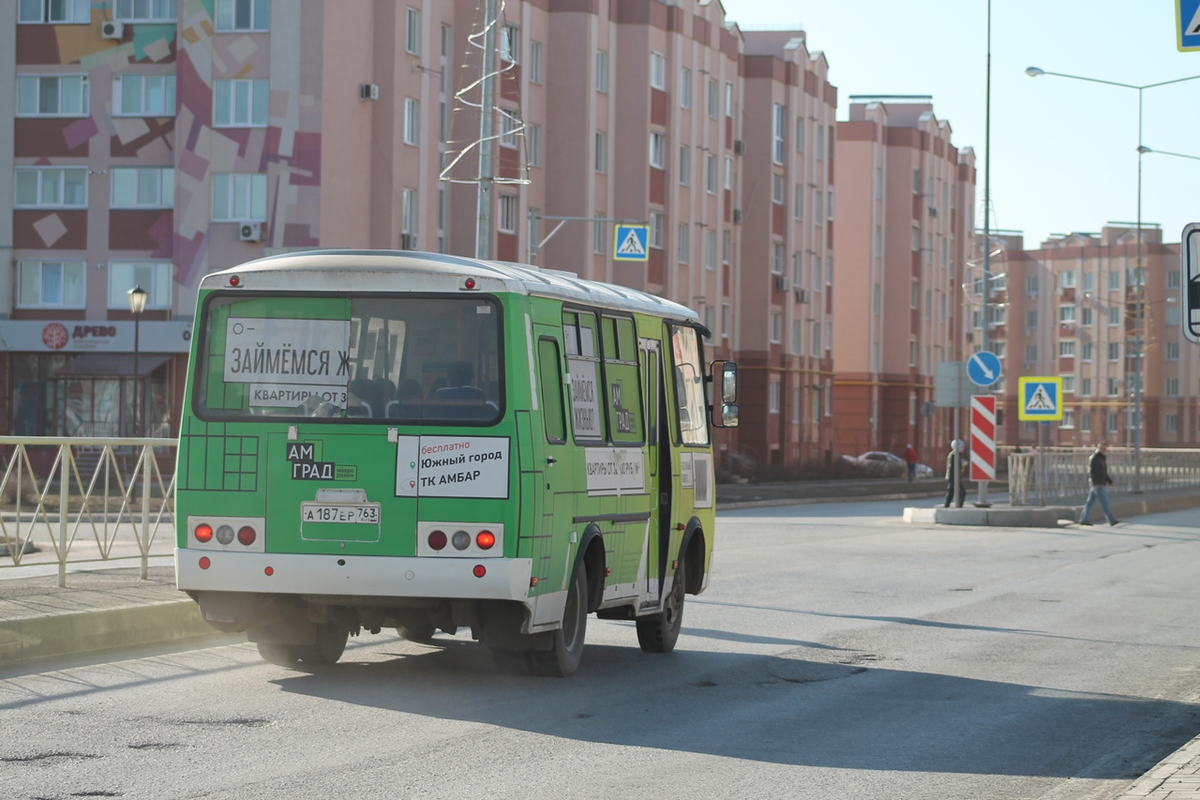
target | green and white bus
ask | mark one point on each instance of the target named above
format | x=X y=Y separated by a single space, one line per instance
x=405 y=440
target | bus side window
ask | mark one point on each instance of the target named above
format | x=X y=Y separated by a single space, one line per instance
x=550 y=375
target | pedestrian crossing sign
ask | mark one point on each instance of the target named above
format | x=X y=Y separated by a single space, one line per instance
x=1041 y=398
x=631 y=243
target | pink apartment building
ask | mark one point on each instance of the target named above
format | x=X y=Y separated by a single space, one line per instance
x=787 y=232
x=1069 y=309
x=906 y=200
x=157 y=140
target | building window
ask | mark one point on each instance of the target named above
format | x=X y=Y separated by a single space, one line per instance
x=239 y=197
x=1114 y=280
x=599 y=239
x=1068 y=384
x=1085 y=387
x=820 y=142
x=410 y=216
x=710 y=249
x=725 y=314
x=710 y=173
x=773 y=391
x=1172 y=387
x=1114 y=316
x=777 y=196
x=52 y=96
x=533 y=144
x=795 y=405
x=1114 y=387
x=602 y=72
x=656 y=229
x=713 y=101
x=601 y=152
x=1031 y=318
x=510 y=44
x=1066 y=349
x=1173 y=279
x=658 y=147
x=1172 y=351
x=510 y=125
x=729 y=99
x=1112 y=423
x=799 y=134
x=412 y=121
x=798 y=203
x=240 y=103
x=51 y=284
x=153 y=276
x=507 y=222
x=1085 y=421
x=681 y=244
x=46 y=187
x=1087 y=351
x=1171 y=423
x=685 y=87
x=817 y=214
x=1067 y=280
x=658 y=71
x=776 y=327
x=1030 y=353
x=685 y=165
x=412 y=31
x=1066 y=315
x=726 y=246
x=53 y=12
x=535 y=62
x=1068 y=420
x=1114 y=351
x=797 y=344
x=243 y=15
x=1086 y=317
x=142 y=187
x=779 y=126
x=1031 y=285
x=144 y=96
x=912 y=354
x=816 y=340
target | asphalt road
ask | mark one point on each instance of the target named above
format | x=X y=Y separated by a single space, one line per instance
x=839 y=653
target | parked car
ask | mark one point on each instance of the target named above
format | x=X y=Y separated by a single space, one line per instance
x=880 y=462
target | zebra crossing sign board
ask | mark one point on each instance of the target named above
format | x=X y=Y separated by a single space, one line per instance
x=631 y=243
x=1041 y=398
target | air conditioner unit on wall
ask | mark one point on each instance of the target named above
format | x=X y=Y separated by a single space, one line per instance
x=801 y=295
x=111 y=29
x=251 y=231
x=408 y=241
x=739 y=147
x=780 y=283
x=737 y=216
x=368 y=91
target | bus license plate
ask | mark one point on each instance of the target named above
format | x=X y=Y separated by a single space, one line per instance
x=367 y=513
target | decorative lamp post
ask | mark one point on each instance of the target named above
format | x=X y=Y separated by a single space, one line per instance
x=1139 y=278
x=137 y=304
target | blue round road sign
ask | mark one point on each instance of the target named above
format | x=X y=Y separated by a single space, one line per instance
x=983 y=368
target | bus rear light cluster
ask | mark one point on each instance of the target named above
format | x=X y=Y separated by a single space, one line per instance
x=236 y=534
x=459 y=539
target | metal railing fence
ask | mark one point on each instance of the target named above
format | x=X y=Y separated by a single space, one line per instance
x=57 y=490
x=1058 y=474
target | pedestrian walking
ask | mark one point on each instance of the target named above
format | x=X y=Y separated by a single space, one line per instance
x=910 y=461
x=1098 y=480
x=954 y=466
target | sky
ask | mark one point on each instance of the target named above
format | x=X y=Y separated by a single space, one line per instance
x=1063 y=151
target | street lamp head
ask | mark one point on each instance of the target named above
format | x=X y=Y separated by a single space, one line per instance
x=1033 y=72
x=1142 y=149
x=137 y=300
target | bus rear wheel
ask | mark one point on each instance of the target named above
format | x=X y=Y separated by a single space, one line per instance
x=563 y=658
x=283 y=655
x=330 y=644
x=659 y=632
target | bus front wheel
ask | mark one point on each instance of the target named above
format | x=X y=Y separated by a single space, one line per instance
x=659 y=632
x=563 y=658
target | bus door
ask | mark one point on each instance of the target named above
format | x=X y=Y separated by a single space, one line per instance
x=658 y=469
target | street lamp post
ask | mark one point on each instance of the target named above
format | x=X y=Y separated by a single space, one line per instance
x=137 y=304
x=1034 y=72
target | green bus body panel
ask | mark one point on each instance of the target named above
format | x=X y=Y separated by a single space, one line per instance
x=241 y=468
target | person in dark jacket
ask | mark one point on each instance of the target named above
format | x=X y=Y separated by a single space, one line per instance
x=954 y=465
x=1099 y=480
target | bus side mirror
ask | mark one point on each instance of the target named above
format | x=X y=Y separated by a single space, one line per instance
x=729 y=416
x=726 y=373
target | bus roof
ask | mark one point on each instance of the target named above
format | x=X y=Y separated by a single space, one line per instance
x=395 y=270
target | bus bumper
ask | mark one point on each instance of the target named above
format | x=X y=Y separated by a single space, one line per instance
x=366 y=576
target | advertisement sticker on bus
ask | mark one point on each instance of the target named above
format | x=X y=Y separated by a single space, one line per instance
x=452 y=466
x=304 y=352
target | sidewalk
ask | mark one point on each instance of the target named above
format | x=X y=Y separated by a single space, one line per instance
x=110 y=609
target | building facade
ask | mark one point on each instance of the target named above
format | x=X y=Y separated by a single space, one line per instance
x=906 y=200
x=1070 y=309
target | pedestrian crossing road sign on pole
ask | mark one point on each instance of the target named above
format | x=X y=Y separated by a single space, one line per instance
x=1040 y=398
x=631 y=243
x=1187 y=24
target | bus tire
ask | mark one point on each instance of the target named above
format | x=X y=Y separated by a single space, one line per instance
x=423 y=632
x=566 y=651
x=282 y=655
x=658 y=633
x=330 y=644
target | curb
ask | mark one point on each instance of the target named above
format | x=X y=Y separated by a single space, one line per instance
x=53 y=635
x=798 y=501
x=1174 y=776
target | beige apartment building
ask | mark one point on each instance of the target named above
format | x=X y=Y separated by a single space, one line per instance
x=905 y=201
x=1069 y=309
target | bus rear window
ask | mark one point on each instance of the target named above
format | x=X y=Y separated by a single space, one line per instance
x=415 y=359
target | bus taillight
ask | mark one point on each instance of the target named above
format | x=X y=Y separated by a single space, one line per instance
x=225 y=534
x=247 y=535
x=437 y=539
x=485 y=540
x=203 y=533
x=461 y=540
x=479 y=571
